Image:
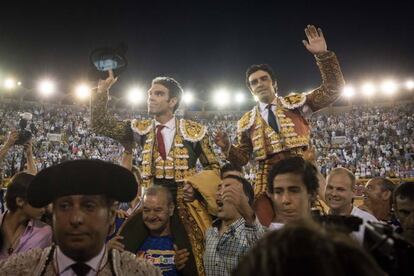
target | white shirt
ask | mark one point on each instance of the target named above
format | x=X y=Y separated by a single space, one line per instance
x=64 y=262
x=365 y=216
x=264 y=111
x=275 y=226
x=167 y=133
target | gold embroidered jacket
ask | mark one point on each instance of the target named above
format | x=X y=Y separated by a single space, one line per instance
x=258 y=140
x=37 y=262
x=191 y=142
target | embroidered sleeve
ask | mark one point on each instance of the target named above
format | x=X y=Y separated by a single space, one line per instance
x=21 y=264
x=332 y=82
x=239 y=153
x=130 y=265
x=105 y=124
x=207 y=157
x=192 y=131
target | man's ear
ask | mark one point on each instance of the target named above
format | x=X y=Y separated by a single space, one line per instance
x=172 y=102
x=386 y=195
x=20 y=202
x=112 y=213
x=171 y=209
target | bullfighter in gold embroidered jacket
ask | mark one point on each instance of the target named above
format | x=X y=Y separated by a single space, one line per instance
x=276 y=127
x=171 y=148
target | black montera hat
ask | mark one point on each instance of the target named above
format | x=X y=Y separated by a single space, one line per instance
x=82 y=177
x=104 y=59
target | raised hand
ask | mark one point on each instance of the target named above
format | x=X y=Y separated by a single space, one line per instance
x=316 y=43
x=13 y=137
x=189 y=194
x=115 y=243
x=222 y=140
x=28 y=148
x=234 y=195
x=104 y=85
x=181 y=257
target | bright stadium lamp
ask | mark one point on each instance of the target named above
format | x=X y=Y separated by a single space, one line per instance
x=46 y=87
x=188 y=97
x=240 y=98
x=348 y=91
x=135 y=95
x=389 y=87
x=10 y=83
x=221 y=97
x=19 y=83
x=409 y=84
x=368 y=89
x=83 y=91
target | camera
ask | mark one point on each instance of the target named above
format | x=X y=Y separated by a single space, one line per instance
x=24 y=134
x=391 y=251
x=345 y=224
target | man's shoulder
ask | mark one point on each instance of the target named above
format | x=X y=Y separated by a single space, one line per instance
x=192 y=131
x=131 y=265
x=363 y=214
x=142 y=127
x=24 y=263
x=293 y=100
x=247 y=120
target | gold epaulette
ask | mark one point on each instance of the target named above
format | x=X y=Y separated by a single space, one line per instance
x=246 y=121
x=142 y=127
x=192 y=131
x=293 y=100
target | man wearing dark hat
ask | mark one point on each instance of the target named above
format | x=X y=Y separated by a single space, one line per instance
x=171 y=148
x=83 y=193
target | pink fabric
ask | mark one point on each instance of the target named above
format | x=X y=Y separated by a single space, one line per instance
x=36 y=235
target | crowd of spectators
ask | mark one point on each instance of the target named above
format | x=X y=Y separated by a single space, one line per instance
x=369 y=141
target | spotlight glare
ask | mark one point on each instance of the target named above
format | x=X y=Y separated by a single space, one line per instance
x=83 y=91
x=135 y=95
x=409 y=84
x=368 y=89
x=9 y=83
x=188 y=97
x=221 y=97
x=240 y=98
x=389 y=87
x=348 y=91
x=46 y=87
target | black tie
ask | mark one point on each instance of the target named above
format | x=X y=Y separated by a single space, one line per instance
x=271 y=119
x=80 y=269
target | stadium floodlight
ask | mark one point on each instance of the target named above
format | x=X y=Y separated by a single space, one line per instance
x=240 y=98
x=368 y=89
x=46 y=87
x=83 y=91
x=389 y=87
x=409 y=84
x=10 y=83
x=135 y=95
x=188 y=97
x=348 y=91
x=222 y=97
x=19 y=83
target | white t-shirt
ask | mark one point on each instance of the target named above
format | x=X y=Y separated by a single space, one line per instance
x=365 y=216
x=275 y=226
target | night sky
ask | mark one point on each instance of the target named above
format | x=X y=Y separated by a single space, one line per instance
x=203 y=45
